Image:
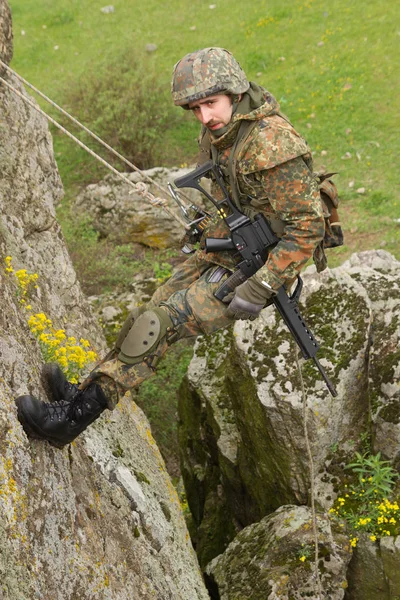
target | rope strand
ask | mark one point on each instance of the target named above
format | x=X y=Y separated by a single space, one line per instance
x=91 y=133
x=155 y=201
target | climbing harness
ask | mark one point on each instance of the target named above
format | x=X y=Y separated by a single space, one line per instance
x=140 y=187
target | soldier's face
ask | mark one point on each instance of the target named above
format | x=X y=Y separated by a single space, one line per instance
x=214 y=111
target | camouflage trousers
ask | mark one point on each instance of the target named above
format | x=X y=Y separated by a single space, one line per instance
x=188 y=298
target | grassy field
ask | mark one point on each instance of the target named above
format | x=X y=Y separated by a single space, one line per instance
x=332 y=65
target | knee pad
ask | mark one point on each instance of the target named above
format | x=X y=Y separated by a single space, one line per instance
x=129 y=321
x=148 y=329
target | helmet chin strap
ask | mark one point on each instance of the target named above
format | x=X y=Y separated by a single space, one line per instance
x=236 y=98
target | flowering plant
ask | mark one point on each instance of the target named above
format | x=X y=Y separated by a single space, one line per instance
x=366 y=504
x=55 y=345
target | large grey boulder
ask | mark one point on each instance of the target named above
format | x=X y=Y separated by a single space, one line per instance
x=242 y=418
x=380 y=276
x=121 y=213
x=99 y=519
x=274 y=559
x=374 y=570
x=243 y=397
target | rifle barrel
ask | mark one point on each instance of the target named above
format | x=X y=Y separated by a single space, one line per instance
x=329 y=384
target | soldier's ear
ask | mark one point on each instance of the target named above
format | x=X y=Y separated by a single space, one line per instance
x=236 y=98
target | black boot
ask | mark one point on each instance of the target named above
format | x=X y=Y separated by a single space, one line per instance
x=61 y=422
x=56 y=385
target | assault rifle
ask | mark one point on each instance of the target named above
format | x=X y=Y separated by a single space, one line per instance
x=253 y=239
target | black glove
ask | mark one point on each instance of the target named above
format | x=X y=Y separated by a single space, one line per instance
x=248 y=299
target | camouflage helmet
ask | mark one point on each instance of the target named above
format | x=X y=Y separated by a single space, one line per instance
x=205 y=73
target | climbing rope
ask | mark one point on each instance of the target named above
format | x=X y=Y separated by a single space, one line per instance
x=93 y=135
x=141 y=188
x=317 y=578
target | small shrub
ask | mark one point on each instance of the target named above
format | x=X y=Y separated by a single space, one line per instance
x=122 y=101
x=162 y=271
x=367 y=505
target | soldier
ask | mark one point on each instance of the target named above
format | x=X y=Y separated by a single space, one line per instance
x=267 y=168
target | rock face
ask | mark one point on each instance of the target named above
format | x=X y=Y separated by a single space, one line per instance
x=274 y=556
x=99 y=519
x=242 y=414
x=121 y=213
x=374 y=570
x=243 y=395
x=6 y=36
x=379 y=275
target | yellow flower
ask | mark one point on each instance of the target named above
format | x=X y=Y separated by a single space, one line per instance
x=303 y=558
x=60 y=335
x=353 y=541
x=372 y=537
x=62 y=361
x=44 y=337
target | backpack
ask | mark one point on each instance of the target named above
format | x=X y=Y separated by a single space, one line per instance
x=333 y=235
x=330 y=201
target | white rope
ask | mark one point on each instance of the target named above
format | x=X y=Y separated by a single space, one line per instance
x=93 y=135
x=317 y=578
x=155 y=201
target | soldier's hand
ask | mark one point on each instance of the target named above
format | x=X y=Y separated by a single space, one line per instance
x=248 y=299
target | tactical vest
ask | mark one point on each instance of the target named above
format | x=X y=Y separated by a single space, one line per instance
x=328 y=192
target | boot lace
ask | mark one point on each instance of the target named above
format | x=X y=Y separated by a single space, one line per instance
x=58 y=410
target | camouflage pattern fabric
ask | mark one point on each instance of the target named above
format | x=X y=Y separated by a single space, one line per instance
x=274 y=175
x=188 y=297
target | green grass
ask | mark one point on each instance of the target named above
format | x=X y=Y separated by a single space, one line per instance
x=331 y=64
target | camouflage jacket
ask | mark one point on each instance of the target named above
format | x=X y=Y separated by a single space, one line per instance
x=274 y=176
